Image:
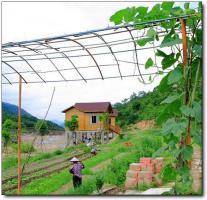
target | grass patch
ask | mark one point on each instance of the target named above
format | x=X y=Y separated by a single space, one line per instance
x=25 y=147
x=47 y=185
x=86 y=188
x=11 y=161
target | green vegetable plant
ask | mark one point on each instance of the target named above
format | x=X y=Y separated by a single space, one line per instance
x=99 y=182
x=181 y=118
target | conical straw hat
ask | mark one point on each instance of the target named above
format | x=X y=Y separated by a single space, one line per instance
x=74 y=159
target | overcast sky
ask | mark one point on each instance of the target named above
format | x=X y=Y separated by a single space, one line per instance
x=31 y=20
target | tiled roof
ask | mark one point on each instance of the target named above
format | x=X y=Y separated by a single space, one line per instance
x=92 y=107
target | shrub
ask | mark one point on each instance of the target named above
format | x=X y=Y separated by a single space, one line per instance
x=9 y=162
x=58 y=152
x=45 y=156
x=99 y=182
x=168 y=173
x=25 y=147
x=86 y=188
x=121 y=136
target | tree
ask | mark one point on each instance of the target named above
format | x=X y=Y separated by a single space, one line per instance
x=42 y=129
x=6 y=139
x=182 y=115
x=105 y=119
x=8 y=127
x=72 y=125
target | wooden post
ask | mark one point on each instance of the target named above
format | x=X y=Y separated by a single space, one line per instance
x=185 y=62
x=19 y=136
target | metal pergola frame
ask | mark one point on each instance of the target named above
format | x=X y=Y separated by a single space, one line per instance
x=26 y=51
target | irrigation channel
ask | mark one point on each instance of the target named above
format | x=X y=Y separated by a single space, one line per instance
x=9 y=183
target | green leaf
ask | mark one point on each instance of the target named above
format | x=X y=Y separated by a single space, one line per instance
x=129 y=15
x=186 y=5
x=187 y=152
x=198 y=36
x=197 y=111
x=170 y=40
x=170 y=99
x=171 y=110
x=154 y=11
x=168 y=61
x=176 y=11
x=200 y=4
x=159 y=152
x=175 y=76
x=163 y=86
x=149 y=63
x=187 y=111
x=167 y=5
x=194 y=112
x=197 y=49
x=196 y=134
x=142 y=11
x=173 y=127
x=160 y=53
x=143 y=41
x=117 y=18
x=184 y=171
x=168 y=125
x=151 y=33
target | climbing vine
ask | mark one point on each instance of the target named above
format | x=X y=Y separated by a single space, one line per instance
x=181 y=120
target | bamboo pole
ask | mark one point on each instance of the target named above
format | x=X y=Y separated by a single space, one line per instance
x=19 y=136
x=185 y=62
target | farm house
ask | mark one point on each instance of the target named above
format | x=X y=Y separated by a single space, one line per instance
x=89 y=125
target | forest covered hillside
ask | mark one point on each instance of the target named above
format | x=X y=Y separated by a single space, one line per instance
x=9 y=111
x=142 y=106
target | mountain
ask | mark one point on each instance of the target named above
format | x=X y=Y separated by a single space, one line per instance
x=60 y=123
x=10 y=111
x=13 y=109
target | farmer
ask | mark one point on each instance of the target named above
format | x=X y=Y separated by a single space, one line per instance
x=94 y=151
x=76 y=171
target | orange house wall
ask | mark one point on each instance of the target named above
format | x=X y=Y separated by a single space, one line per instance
x=84 y=120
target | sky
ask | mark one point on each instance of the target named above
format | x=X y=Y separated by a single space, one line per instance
x=31 y=20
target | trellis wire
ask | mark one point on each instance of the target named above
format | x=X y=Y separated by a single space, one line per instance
x=43 y=49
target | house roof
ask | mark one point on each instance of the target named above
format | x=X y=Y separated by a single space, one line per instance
x=114 y=113
x=92 y=107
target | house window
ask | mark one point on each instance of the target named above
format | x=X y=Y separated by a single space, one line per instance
x=93 y=119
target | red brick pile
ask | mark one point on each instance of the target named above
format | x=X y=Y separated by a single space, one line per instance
x=145 y=172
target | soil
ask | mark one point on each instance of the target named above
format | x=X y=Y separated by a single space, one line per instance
x=145 y=124
x=50 y=142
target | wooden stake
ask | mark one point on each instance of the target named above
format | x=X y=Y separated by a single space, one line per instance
x=19 y=136
x=185 y=62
